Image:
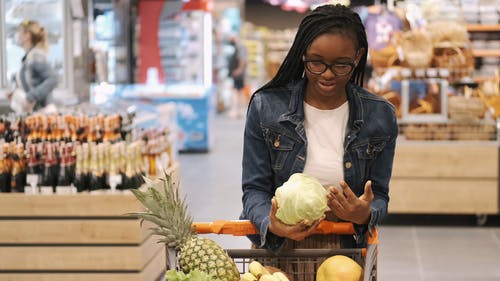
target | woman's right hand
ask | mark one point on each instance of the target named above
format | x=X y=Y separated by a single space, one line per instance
x=295 y=232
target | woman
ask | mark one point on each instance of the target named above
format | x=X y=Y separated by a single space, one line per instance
x=314 y=117
x=35 y=80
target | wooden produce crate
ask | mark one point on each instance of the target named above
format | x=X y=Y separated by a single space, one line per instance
x=77 y=237
x=445 y=177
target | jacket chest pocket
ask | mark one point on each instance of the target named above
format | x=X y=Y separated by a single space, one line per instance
x=369 y=149
x=280 y=146
x=366 y=152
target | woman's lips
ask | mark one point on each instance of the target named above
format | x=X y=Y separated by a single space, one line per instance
x=326 y=86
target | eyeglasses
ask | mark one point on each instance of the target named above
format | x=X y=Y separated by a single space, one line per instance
x=319 y=67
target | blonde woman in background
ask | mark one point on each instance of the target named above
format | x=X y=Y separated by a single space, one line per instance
x=36 y=79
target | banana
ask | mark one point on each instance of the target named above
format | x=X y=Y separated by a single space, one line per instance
x=269 y=277
x=257 y=269
x=247 y=276
x=280 y=276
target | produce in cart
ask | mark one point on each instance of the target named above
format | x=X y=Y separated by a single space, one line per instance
x=339 y=268
x=165 y=209
x=259 y=272
x=301 y=198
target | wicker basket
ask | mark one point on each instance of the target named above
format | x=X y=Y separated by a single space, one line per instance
x=452 y=48
x=417 y=49
x=461 y=108
x=383 y=58
x=459 y=60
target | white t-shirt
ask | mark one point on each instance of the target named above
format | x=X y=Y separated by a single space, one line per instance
x=325 y=131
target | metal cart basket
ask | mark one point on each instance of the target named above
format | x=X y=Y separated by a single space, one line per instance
x=302 y=262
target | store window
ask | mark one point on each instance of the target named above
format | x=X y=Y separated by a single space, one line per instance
x=50 y=15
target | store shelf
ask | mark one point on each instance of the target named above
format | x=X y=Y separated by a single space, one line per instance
x=483 y=27
x=462 y=177
x=78 y=237
x=486 y=53
x=480 y=79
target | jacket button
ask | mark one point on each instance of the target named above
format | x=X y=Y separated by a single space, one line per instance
x=348 y=165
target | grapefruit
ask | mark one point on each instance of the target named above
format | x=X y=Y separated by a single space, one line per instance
x=339 y=268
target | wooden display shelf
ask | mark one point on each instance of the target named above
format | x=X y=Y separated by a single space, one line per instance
x=486 y=53
x=74 y=205
x=445 y=177
x=76 y=258
x=77 y=237
x=483 y=27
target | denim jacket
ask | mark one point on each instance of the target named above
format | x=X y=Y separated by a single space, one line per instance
x=275 y=146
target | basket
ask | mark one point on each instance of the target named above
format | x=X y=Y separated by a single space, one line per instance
x=463 y=108
x=417 y=49
x=459 y=60
x=383 y=58
x=452 y=48
x=301 y=264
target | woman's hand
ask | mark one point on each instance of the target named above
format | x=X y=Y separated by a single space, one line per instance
x=345 y=205
x=295 y=232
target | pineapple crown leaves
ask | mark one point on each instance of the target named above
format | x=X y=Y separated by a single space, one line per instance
x=165 y=208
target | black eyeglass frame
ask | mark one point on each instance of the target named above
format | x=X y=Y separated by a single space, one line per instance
x=329 y=66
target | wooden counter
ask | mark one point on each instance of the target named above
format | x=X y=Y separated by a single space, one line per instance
x=77 y=237
x=445 y=177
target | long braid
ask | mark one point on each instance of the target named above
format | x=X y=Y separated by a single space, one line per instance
x=336 y=19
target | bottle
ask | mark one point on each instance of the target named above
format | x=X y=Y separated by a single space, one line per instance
x=32 y=175
x=4 y=170
x=114 y=176
x=95 y=180
x=71 y=161
x=80 y=181
x=129 y=180
x=48 y=181
x=18 y=173
x=122 y=164
x=103 y=165
x=64 y=177
x=139 y=167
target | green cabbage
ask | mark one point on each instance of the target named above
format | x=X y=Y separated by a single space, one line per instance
x=300 y=198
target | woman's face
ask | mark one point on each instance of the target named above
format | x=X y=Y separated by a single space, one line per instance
x=22 y=37
x=337 y=50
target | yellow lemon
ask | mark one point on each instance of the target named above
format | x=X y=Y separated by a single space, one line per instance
x=339 y=268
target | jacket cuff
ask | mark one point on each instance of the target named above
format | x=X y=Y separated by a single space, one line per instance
x=268 y=239
x=373 y=220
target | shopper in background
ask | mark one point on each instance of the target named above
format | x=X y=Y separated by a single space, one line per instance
x=36 y=79
x=236 y=67
x=314 y=117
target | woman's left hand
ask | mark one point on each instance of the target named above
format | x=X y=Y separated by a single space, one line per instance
x=345 y=205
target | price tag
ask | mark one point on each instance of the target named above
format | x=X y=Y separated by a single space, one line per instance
x=114 y=180
x=32 y=181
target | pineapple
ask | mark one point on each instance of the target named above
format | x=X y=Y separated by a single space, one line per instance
x=165 y=209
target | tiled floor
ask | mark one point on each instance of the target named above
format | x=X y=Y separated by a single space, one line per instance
x=409 y=252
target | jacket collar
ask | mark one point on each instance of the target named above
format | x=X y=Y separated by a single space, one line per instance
x=295 y=113
x=356 y=110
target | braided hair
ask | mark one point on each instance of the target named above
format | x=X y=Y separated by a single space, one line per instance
x=332 y=19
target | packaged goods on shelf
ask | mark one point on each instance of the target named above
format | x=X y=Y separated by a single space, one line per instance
x=75 y=152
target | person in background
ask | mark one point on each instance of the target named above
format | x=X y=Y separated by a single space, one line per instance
x=315 y=117
x=36 y=79
x=236 y=67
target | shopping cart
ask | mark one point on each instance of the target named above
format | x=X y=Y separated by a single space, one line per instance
x=304 y=262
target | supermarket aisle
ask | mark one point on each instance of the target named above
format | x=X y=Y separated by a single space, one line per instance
x=211 y=182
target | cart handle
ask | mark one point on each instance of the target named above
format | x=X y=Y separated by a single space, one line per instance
x=245 y=227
